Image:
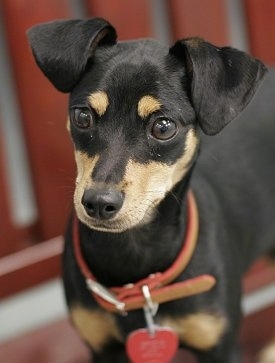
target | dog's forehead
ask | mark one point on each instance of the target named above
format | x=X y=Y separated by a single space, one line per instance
x=134 y=52
x=130 y=70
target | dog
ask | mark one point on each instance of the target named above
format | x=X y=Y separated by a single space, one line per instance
x=170 y=206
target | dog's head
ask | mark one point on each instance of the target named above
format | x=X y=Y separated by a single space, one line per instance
x=134 y=111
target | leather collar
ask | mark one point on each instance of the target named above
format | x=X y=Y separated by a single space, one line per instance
x=130 y=296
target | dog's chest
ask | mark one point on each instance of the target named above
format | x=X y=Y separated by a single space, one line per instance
x=199 y=330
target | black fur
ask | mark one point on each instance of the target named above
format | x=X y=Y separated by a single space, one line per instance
x=233 y=179
x=220 y=89
x=63 y=64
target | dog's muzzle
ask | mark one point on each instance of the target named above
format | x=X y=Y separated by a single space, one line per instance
x=102 y=204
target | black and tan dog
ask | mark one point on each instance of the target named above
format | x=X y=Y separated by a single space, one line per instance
x=136 y=109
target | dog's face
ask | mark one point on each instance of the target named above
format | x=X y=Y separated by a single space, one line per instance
x=134 y=133
x=134 y=111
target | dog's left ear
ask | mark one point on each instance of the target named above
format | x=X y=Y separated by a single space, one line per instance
x=63 y=48
x=222 y=81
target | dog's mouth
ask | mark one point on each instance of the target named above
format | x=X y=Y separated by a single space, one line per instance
x=107 y=227
x=118 y=216
x=122 y=222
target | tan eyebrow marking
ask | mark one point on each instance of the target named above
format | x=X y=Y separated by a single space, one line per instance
x=147 y=105
x=99 y=102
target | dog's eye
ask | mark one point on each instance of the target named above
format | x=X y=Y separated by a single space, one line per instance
x=82 y=117
x=164 y=129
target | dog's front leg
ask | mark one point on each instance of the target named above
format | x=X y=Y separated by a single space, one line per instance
x=223 y=353
x=112 y=354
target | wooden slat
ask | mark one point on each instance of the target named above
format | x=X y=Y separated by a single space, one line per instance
x=12 y=238
x=262 y=273
x=43 y=113
x=7 y=233
x=257 y=330
x=132 y=19
x=261 y=29
x=29 y=267
x=55 y=343
x=41 y=262
x=196 y=18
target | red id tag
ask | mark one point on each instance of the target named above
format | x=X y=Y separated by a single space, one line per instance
x=160 y=347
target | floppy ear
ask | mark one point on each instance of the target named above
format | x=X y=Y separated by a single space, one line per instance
x=62 y=48
x=223 y=81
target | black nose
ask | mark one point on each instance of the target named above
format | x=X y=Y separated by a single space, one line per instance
x=102 y=204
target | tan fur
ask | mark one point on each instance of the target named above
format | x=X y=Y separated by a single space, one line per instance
x=144 y=186
x=68 y=125
x=96 y=327
x=195 y=42
x=267 y=355
x=85 y=165
x=99 y=102
x=200 y=330
x=147 y=105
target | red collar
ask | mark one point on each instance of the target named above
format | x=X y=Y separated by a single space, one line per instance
x=130 y=296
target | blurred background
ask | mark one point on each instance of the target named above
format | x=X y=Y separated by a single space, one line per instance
x=37 y=167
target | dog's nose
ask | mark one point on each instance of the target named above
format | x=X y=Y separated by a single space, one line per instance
x=102 y=204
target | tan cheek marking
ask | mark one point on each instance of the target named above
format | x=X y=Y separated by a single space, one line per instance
x=85 y=166
x=146 y=185
x=182 y=165
x=158 y=177
x=201 y=331
x=99 y=102
x=95 y=327
x=147 y=105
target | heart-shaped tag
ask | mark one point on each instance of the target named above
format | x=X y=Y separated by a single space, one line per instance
x=159 y=347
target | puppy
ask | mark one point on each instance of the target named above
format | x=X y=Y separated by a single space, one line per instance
x=167 y=219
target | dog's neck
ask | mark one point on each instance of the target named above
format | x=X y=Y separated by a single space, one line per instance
x=120 y=258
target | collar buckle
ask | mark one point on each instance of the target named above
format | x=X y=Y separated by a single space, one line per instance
x=105 y=294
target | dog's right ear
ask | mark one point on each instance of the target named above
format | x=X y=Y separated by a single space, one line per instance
x=62 y=48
